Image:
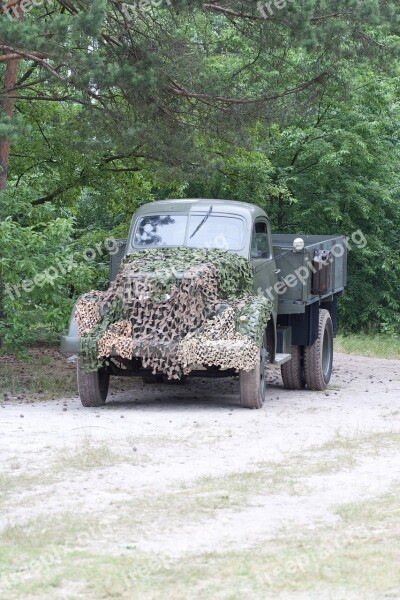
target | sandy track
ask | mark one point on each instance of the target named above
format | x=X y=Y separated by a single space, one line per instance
x=163 y=436
x=167 y=475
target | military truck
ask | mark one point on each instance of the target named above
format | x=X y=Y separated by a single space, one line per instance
x=201 y=288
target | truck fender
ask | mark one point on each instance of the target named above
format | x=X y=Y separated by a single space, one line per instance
x=73 y=326
x=71 y=343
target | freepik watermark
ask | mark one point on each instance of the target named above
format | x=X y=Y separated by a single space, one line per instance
x=15 y=12
x=127 y=580
x=130 y=10
x=37 y=567
x=312 y=561
x=139 y=6
x=267 y=9
x=61 y=267
x=304 y=272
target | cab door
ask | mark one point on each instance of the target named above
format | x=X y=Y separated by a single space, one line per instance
x=262 y=259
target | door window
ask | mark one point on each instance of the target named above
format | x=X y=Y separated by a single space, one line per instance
x=260 y=241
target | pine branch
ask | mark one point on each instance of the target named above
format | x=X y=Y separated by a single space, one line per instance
x=178 y=90
x=332 y=16
x=232 y=13
x=37 y=57
x=17 y=55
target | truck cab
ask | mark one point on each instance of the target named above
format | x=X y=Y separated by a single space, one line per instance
x=234 y=226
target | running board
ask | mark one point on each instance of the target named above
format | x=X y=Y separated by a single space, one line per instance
x=280 y=359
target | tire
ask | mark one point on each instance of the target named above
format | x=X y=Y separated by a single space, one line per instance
x=318 y=358
x=253 y=383
x=92 y=387
x=293 y=371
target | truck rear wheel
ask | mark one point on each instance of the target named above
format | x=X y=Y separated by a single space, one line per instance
x=318 y=358
x=253 y=383
x=92 y=387
x=293 y=371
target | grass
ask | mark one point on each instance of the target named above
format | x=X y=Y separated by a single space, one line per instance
x=42 y=375
x=85 y=456
x=22 y=482
x=93 y=554
x=356 y=558
x=204 y=498
x=88 y=455
x=161 y=440
x=366 y=443
x=201 y=498
x=380 y=346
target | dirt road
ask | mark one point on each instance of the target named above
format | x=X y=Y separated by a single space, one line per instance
x=177 y=492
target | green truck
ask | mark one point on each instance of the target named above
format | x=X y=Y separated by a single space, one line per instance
x=201 y=288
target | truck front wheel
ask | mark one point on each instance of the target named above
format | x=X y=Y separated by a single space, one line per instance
x=93 y=387
x=318 y=358
x=253 y=383
x=293 y=371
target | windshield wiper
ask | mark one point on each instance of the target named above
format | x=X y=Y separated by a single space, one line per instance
x=201 y=223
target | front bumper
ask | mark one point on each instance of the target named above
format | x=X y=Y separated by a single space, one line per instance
x=70 y=344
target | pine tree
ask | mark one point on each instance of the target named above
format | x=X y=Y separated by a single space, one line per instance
x=151 y=76
x=126 y=99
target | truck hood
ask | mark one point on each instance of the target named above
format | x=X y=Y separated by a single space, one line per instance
x=163 y=298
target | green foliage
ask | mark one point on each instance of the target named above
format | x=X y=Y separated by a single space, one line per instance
x=13 y=128
x=297 y=113
x=335 y=173
x=42 y=271
x=380 y=345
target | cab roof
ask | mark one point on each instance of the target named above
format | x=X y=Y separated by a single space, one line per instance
x=187 y=205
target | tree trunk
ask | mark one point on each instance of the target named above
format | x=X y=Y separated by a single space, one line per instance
x=7 y=108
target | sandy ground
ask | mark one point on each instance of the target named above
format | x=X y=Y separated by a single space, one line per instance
x=153 y=440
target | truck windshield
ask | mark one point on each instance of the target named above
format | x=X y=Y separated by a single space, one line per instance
x=161 y=230
x=217 y=231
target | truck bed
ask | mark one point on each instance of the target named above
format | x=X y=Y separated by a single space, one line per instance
x=294 y=299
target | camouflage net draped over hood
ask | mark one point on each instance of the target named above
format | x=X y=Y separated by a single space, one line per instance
x=175 y=309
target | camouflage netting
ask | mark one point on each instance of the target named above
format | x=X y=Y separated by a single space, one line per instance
x=175 y=309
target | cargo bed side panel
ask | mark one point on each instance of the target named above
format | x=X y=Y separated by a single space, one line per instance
x=298 y=266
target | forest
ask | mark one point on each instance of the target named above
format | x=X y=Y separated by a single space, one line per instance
x=106 y=105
